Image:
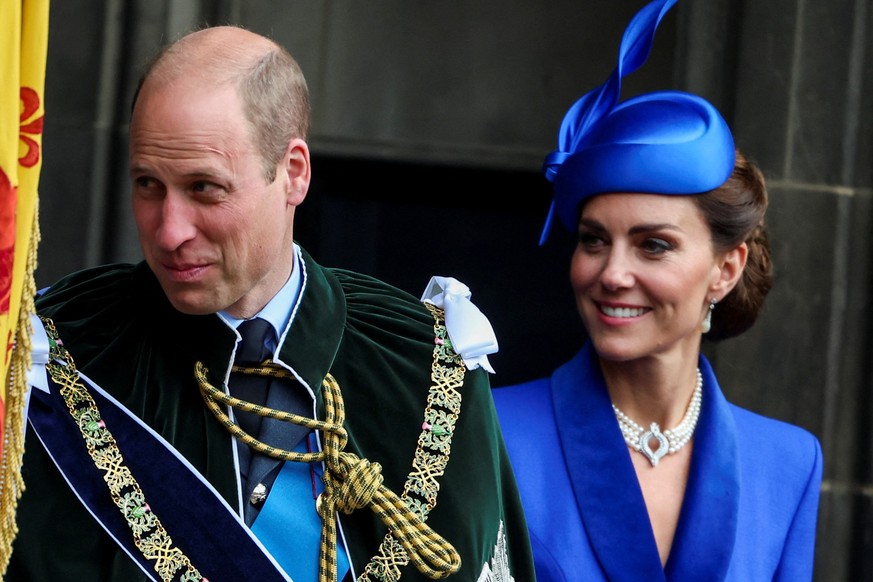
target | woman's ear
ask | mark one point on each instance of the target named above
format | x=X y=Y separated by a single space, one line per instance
x=730 y=267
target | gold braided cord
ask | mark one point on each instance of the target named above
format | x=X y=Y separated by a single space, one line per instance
x=432 y=555
x=149 y=534
x=350 y=482
x=213 y=397
x=11 y=482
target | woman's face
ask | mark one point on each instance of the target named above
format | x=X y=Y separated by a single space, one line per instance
x=643 y=272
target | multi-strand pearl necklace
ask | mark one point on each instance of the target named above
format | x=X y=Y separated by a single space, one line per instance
x=669 y=441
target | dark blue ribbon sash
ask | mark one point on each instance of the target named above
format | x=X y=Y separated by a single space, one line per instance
x=198 y=520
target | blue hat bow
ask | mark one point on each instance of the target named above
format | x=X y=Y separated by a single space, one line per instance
x=665 y=142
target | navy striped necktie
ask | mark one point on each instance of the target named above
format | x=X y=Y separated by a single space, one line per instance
x=249 y=387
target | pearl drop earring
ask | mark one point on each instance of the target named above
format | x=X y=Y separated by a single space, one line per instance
x=707 y=321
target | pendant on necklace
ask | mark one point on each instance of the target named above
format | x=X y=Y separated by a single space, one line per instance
x=654 y=433
x=669 y=441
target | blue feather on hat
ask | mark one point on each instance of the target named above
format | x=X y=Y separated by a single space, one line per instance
x=663 y=142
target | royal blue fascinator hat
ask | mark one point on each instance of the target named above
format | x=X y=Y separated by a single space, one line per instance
x=665 y=142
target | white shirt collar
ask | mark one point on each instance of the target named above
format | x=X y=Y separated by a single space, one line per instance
x=278 y=310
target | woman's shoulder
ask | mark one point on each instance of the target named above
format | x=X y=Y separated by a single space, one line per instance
x=522 y=399
x=777 y=441
x=526 y=415
x=748 y=420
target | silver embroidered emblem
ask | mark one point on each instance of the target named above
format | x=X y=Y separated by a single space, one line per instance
x=498 y=569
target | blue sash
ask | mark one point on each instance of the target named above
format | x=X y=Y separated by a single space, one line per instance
x=289 y=525
x=197 y=519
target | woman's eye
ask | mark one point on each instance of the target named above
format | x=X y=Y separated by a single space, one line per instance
x=656 y=246
x=590 y=240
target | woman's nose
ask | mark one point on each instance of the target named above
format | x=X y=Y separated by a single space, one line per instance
x=617 y=273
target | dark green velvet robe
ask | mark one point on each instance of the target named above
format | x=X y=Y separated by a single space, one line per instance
x=376 y=340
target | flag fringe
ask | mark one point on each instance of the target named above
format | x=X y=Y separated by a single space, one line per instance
x=11 y=480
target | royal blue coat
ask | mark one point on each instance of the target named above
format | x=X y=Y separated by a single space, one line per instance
x=750 y=506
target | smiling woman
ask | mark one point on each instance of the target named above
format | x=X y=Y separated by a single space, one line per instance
x=644 y=273
x=632 y=444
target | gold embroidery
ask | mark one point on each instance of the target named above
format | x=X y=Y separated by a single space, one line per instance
x=149 y=534
x=432 y=452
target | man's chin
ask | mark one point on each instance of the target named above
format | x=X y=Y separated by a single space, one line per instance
x=191 y=303
x=193 y=309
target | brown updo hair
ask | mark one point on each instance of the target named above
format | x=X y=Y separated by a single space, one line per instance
x=735 y=214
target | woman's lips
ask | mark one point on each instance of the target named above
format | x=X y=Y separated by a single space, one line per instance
x=621 y=312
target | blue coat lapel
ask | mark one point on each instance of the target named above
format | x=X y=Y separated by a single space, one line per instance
x=608 y=494
x=711 y=505
x=606 y=488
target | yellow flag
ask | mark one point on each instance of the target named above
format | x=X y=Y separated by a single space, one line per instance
x=23 y=48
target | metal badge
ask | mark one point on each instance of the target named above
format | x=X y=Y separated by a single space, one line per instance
x=259 y=494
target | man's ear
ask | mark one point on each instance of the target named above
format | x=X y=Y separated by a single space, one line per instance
x=299 y=170
x=730 y=267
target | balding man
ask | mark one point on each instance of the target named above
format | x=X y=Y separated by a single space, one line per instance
x=228 y=409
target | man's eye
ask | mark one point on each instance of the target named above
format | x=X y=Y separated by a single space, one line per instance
x=147 y=188
x=207 y=191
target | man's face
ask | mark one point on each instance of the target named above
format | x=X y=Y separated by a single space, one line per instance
x=216 y=234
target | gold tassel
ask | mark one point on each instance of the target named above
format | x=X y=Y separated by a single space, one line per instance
x=11 y=481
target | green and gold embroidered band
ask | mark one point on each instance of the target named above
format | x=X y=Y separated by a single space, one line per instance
x=149 y=534
x=431 y=453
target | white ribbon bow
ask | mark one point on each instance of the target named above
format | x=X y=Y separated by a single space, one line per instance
x=469 y=330
x=39 y=355
x=37 y=374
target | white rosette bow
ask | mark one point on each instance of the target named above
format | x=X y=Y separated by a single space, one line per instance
x=469 y=330
x=37 y=374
